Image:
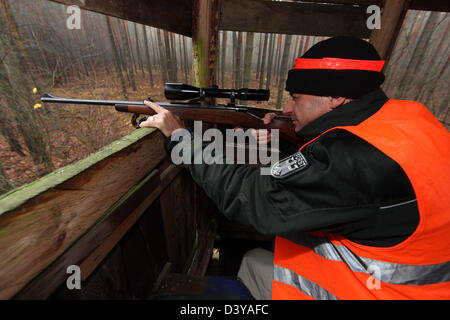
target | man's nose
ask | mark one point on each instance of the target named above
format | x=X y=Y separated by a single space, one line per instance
x=287 y=108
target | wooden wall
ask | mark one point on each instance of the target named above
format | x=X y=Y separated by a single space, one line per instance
x=126 y=216
x=161 y=241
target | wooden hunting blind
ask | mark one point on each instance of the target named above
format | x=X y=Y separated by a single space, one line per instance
x=136 y=224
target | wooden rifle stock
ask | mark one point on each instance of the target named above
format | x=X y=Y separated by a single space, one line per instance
x=229 y=115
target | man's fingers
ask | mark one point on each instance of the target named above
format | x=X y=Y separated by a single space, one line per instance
x=164 y=120
x=157 y=108
x=262 y=136
x=268 y=117
x=150 y=122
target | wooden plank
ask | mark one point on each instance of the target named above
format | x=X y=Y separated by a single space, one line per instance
x=351 y=2
x=205 y=31
x=294 y=18
x=430 y=5
x=427 y=5
x=89 y=264
x=90 y=250
x=137 y=263
x=53 y=276
x=108 y=282
x=153 y=191
x=38 y=222
x=392 y=16
x=176 y=206
x=204 y=250
x=174 y=16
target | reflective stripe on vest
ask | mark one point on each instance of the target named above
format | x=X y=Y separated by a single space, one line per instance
x=393 y=273
x=306 y=286
x=325 y=266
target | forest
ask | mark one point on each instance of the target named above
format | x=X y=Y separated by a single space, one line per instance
x=109 y=58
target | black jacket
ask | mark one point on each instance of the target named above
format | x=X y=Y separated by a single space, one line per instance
x=348 y=186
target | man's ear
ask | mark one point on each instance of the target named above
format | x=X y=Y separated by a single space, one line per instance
x=338 y=101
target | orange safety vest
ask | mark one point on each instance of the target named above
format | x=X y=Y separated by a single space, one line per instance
x=319 y=265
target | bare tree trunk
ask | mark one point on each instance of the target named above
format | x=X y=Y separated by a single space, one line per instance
x=277 y=58
x=18 y=94
x=263 y=61
x=147 y=52
x=258 y=62
x=283 y=69
x=270 y=60
x=180 y=53
x=297 y=40
x=130 y=45
x=163 y=62
x=238 y=61
x=138 y=50
x=118 y=40
x=9 y=132
x=174 y=56
x=116 y=56
x=170 y=66
x=234 y=68
x=23 y=56
x=128 y=55
x=186 y=62
x=248 y=58
x=5 y=185
x=223 y=57
x=19 y=103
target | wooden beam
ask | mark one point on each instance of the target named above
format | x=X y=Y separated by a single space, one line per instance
x=294 y=18
x=430 y=5
x=427 y=5
x=40 y=221
x=351 y=2
x=316 y=18
x=174 y=16
x=205 y=31
x=392 y=16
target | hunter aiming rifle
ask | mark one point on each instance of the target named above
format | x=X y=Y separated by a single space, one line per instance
x=230 y=114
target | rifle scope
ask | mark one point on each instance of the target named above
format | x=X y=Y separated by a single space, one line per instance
x=181 y=91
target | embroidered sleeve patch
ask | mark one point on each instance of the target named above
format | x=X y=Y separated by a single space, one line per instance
x=289 y=165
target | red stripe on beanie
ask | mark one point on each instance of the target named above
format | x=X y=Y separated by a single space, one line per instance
x=339 y=64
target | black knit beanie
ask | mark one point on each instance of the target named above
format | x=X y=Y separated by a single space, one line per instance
x=318 y=72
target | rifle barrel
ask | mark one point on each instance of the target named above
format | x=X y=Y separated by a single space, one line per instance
x=51 y=99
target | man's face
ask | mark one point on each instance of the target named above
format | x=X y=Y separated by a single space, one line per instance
x=304 y=108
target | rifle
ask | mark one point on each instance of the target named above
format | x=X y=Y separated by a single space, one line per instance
x=229 y=114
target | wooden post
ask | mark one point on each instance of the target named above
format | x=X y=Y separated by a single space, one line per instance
x=205 y=31
x=393 y=13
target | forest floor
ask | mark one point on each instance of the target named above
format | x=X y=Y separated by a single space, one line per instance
x=73 y=132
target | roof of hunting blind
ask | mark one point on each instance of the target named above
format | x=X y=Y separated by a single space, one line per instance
x=312 y=17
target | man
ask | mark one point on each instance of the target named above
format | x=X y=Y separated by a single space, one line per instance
x=365 y=212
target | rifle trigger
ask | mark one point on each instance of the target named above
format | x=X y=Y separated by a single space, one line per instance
x=134 y=121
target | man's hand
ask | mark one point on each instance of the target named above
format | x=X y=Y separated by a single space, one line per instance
x=164 y=120
x=262 y=136
x=268 y=117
